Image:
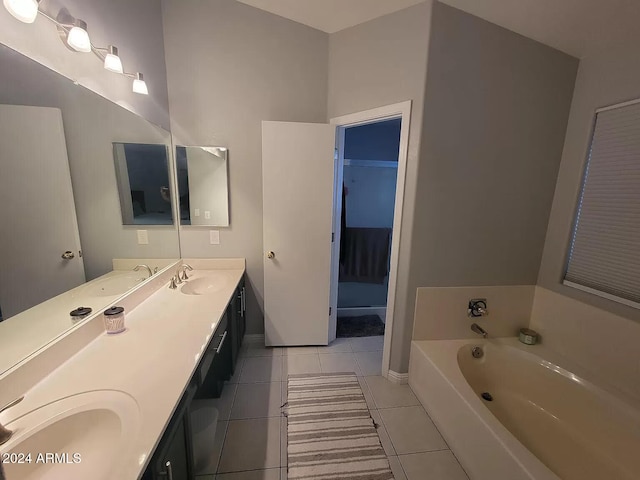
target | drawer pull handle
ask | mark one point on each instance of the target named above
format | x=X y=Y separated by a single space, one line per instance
x=224 y=337
x=169 y=472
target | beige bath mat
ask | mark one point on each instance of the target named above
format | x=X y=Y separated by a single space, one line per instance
x=330 y=432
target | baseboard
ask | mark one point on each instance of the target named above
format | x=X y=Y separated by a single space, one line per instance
x=256 y=338
x=399 y=378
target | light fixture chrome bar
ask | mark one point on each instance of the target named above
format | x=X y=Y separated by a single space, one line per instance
x=139 y=85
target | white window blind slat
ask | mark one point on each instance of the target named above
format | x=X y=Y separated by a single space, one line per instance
x=604 y=254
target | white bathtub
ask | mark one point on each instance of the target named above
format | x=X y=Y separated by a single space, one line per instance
x=544 y=422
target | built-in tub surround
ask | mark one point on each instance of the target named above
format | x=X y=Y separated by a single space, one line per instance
x=548 y=419
x=441 y=312
x=599 y=341
x=152 y=361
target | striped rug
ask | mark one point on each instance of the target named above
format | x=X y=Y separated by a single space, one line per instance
x=330 y=432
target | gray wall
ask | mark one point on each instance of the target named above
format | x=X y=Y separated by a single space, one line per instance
x=496 y=109
x=608 y=78
x=134 y=27
x=378 y=63
x=230 y=67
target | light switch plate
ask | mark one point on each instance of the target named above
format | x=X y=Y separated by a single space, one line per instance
x=143 y=237
x=214 y=237
x=207 y=214
x=196 y=212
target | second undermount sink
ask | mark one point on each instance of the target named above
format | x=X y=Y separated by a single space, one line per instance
x=204 y=285
x=79 y=437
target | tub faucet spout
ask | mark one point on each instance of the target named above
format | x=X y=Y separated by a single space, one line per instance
x=479 y=330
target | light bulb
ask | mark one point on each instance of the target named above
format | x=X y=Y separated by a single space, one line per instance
x=112 y=61
x=78 y=38
x=24 y=10
x=139 y=85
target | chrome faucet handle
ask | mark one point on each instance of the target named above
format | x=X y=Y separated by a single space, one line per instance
x=183 y=268
x=138 y=267
x=172 y=283
x=5 y=433
x=477 y=308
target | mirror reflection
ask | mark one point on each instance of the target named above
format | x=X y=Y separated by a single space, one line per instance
x=142 y=172
x=203 y=185
x=63 y=244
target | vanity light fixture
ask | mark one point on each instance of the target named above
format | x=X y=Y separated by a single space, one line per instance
x=112 y=61
x=24 y=10
x=78 y=37
x=74 y=32
x=139 y=85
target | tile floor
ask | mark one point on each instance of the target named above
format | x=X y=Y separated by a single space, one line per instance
x=251 y=435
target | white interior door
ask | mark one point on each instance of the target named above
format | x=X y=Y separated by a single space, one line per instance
x=37 y=212
x=297 y=173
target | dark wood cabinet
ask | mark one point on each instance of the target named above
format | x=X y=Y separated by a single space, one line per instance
x=216 y=364
x=237 y=322
x=173 y=458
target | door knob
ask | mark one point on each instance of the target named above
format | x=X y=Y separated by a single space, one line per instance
x=271 y=255
x=68 y=255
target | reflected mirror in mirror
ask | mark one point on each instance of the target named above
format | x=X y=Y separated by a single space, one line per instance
x=142 y=172
x=62 y=243
x=203 y=185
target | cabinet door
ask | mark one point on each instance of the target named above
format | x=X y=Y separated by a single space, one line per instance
x=215 y=368
x=172 y=459
x=174 y=463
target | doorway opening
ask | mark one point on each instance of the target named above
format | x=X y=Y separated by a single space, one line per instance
x=369 y=176
x=369 y=296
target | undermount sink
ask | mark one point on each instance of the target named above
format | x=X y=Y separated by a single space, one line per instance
x=204 y=285
x=78 y=437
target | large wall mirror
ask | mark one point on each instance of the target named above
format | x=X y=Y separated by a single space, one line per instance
x=203 y=185
x=63 y=243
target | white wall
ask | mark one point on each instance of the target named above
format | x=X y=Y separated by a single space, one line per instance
x=231 y=66
x=605 y=79
x=134 y=27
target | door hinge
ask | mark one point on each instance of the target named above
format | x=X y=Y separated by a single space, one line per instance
x=333 y=237
x=330 y=311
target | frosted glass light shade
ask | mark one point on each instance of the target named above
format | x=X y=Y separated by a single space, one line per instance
x=139 y=85
x=24 y=10
x=112 y=61
x=78 y=38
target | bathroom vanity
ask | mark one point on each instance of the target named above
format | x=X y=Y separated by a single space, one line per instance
x=122 y=402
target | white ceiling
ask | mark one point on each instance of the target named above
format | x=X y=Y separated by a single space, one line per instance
x=331 y=15
x=577 y=27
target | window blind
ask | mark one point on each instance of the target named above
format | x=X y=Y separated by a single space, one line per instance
x=604 y=254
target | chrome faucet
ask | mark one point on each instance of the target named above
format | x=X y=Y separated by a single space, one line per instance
x=479 y=330
x=183 y=268
x=5 y=433
x=138 y=267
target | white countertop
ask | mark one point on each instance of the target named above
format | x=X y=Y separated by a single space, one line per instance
x=30 y=330
x=152 y=361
